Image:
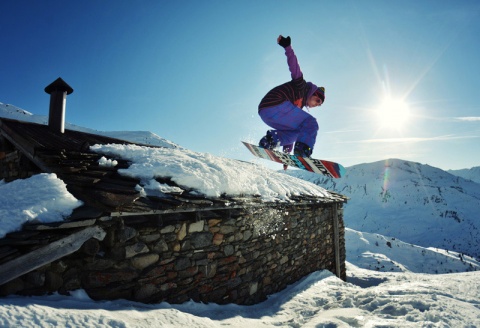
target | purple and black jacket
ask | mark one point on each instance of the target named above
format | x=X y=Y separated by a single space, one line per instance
x=297 y=91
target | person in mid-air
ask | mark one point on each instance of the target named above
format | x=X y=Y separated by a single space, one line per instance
x=281 y=109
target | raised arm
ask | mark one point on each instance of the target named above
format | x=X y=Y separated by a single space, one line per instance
x=292 y=61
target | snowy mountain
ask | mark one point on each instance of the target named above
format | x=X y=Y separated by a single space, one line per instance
x=416 y=203
x=143 y=137
x=469 y=174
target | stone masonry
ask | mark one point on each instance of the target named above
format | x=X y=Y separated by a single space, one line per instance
x=223 y=256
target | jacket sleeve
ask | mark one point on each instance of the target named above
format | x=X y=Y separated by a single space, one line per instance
x=293 y=63
x=299 y=82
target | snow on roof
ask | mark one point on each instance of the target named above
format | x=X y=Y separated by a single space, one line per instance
x=207 y=174
x=42 y=197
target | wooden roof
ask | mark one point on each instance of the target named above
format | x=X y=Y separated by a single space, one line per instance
x=103 y=189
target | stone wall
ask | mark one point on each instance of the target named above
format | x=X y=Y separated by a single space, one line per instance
x=222 y=256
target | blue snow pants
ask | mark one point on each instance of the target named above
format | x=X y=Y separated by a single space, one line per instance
x=291 y=124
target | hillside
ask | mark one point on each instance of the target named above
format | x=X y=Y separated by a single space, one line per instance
x=388 y=254
x=416 y=203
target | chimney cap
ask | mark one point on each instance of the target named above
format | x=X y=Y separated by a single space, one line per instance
x=59 y=85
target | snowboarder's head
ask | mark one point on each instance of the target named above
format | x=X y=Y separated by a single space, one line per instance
x=315 y=96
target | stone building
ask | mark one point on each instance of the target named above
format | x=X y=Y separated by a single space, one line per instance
x=122 y=244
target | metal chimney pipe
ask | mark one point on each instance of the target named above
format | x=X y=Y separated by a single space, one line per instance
x=58 y=91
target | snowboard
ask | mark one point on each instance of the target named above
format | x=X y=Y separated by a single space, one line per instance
x=330 y=169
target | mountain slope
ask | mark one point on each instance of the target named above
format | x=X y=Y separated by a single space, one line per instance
x=416 y=203
x=389 y=254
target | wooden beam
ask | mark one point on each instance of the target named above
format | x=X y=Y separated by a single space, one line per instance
x=48 y=254
x=22 y=144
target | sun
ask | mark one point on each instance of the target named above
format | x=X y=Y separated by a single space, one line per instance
x=393 y=113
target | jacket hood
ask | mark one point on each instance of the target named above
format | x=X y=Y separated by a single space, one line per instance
x=311 y=89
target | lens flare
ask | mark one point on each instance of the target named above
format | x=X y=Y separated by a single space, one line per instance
x=386 y=180
x=393 y=113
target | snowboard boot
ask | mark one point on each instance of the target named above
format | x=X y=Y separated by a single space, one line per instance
x=302 y=150
x=267 y=141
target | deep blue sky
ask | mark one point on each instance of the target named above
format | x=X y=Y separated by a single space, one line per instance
x=194 y=71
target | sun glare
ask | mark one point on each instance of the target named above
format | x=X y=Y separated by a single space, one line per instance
x=393 y=113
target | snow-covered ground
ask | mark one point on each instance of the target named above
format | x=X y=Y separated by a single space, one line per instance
x=368 y=299
x=390 y=283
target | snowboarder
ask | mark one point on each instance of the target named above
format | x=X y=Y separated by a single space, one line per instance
x=281 y=109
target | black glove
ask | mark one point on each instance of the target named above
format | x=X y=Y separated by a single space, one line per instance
x=284 y=42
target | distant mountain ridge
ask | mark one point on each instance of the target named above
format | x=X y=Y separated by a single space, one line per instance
x=416 y=203
x=469 y=174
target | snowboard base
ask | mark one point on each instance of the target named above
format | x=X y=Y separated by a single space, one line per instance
x=330 y=169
